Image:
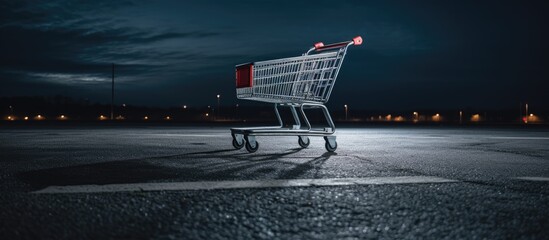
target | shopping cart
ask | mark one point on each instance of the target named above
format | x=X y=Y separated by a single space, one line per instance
x=303 y=82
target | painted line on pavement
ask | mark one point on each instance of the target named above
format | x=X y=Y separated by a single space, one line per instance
x=521 y=138
x=536 y=179
x=211 y=185
x=180 y=135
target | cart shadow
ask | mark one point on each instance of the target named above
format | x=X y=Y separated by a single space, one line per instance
x=228 y=164
x=314 y=164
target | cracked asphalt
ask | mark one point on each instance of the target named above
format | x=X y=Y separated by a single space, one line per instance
x=489 y=201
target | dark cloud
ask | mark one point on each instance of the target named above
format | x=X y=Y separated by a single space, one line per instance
x=416 y=54
x=66 y=43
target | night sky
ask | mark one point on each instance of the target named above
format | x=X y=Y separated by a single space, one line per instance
x=416 y=54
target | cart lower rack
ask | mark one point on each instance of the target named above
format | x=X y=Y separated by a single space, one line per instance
x=300 y=83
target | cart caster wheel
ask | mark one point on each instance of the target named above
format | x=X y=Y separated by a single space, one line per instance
x=331 y=148
x=250 y=148
x=236 y=145
x=303 y=141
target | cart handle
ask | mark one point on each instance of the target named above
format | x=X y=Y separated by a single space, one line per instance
x=320 y=46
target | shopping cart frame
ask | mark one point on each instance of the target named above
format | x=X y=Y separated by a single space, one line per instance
x=247 y=136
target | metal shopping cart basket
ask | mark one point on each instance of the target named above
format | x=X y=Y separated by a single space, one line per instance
x=303 y=82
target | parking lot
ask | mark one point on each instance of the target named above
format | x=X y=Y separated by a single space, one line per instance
x=189 y=182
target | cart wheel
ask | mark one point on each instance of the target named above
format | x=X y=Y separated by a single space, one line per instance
x=303 y=141
x=331 y=148
x=236 y=145
x=250 y=148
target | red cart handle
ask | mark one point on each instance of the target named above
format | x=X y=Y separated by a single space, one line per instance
x=320 y=46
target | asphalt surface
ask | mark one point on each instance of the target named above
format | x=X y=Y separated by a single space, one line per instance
x=487 y=200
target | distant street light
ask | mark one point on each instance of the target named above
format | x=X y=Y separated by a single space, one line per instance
x=416 y=116
x=346 y=111
x=218 y=112
x=526 y=117
x=436 y=117
x=185 y=112
x=460 y=117
x=236 y=111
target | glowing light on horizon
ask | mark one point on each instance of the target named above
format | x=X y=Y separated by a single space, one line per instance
x=436 y=117
x=475 y=118
x=532 y=118
x=416 y=116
